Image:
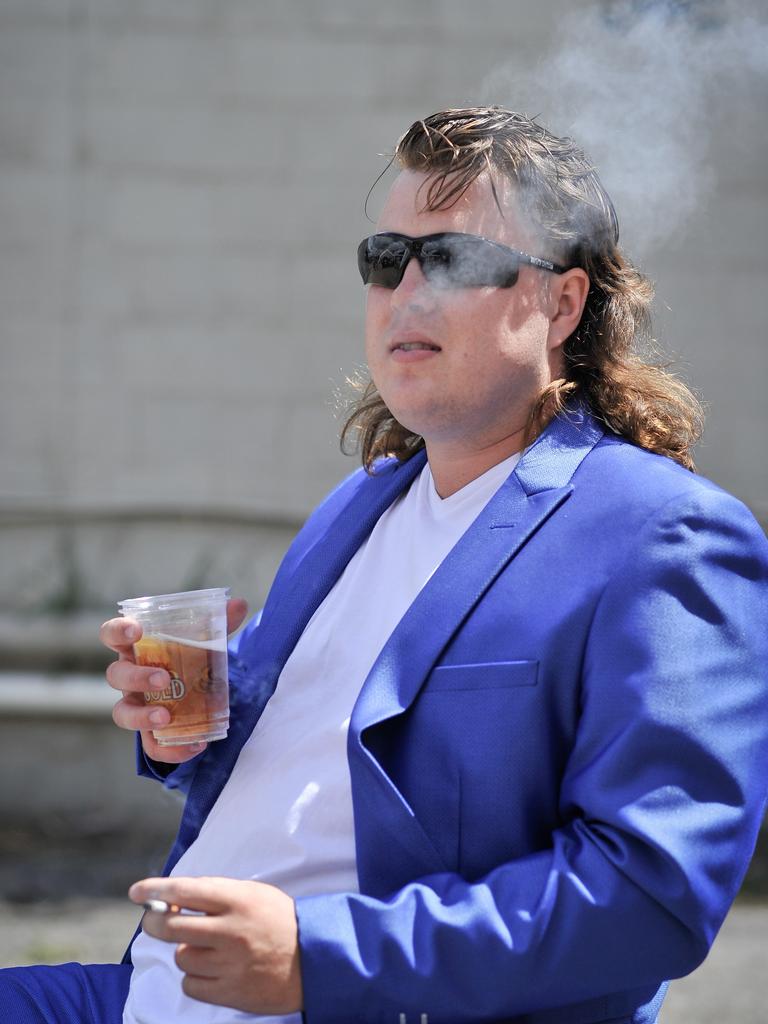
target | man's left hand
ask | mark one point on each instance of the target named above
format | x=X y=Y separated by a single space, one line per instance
x=241 y=947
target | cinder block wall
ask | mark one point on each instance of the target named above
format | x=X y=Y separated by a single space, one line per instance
x=181 y=194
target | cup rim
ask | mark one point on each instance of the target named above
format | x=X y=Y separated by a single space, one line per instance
x=181 y=599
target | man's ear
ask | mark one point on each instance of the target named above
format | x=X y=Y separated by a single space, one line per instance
x=568 y=293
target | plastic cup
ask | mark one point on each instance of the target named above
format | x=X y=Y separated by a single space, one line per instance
x=186 y=634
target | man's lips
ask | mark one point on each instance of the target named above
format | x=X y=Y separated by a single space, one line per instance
x=412 y=342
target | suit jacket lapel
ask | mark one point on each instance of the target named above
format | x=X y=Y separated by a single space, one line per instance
x=539 y=484
x=449 y=596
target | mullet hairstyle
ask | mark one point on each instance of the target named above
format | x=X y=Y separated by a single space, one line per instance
x=560 y=194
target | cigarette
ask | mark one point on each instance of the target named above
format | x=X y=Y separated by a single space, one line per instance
x=160 y=906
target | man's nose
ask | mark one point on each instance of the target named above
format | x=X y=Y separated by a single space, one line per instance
x=414 y=290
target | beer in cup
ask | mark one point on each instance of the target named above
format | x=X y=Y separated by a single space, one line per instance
x=186 y=634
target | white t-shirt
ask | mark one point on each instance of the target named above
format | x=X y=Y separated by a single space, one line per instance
x=285 y=814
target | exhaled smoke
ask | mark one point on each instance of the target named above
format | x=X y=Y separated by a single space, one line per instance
x=636 y=85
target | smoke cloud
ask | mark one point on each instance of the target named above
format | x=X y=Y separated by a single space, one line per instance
x=639 y=86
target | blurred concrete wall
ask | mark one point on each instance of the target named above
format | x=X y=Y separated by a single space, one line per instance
x=170 y=172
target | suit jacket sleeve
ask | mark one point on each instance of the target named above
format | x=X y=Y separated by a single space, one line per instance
x=661 y=802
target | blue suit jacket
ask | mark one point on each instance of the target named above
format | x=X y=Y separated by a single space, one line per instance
x=558 y=760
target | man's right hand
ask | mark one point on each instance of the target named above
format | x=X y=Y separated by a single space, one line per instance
x=133 y=681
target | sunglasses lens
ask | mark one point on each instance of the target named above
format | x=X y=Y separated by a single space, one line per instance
x=381 y=260
x=441 y=264
x=449 y=260
x=484 y=265
x=461 y=261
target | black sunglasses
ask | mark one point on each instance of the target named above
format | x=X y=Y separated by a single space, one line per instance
x=449 y=259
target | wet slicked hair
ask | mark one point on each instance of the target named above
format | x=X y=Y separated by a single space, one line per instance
x=557 y=190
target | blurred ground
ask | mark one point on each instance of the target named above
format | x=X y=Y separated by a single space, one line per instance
x=88 y=930
x=731 y=987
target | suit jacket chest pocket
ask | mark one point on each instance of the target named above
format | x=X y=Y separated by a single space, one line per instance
x=490 y=675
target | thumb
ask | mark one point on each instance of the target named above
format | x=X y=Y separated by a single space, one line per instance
x=237 y=609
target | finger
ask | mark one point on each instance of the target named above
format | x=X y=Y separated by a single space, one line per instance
x=201 y=961
x=208 y=990
x=120 y=634
x=170 y=754
x=127 y=676
x=183 y=927
x=133 y=713
x=208 y=895
x=128 y=713
x=237 y=609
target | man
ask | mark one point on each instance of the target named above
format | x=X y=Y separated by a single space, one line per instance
x=499 y=733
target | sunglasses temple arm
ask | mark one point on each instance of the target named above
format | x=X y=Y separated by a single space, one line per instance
x=537 y=261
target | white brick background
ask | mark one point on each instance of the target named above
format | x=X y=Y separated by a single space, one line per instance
x=168 y=171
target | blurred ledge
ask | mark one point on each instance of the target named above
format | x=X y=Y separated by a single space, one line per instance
x=59 y=696
x=67 y=643
x=22 y=514
x=67 y=632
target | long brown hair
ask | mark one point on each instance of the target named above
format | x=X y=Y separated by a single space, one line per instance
x=607 y=360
